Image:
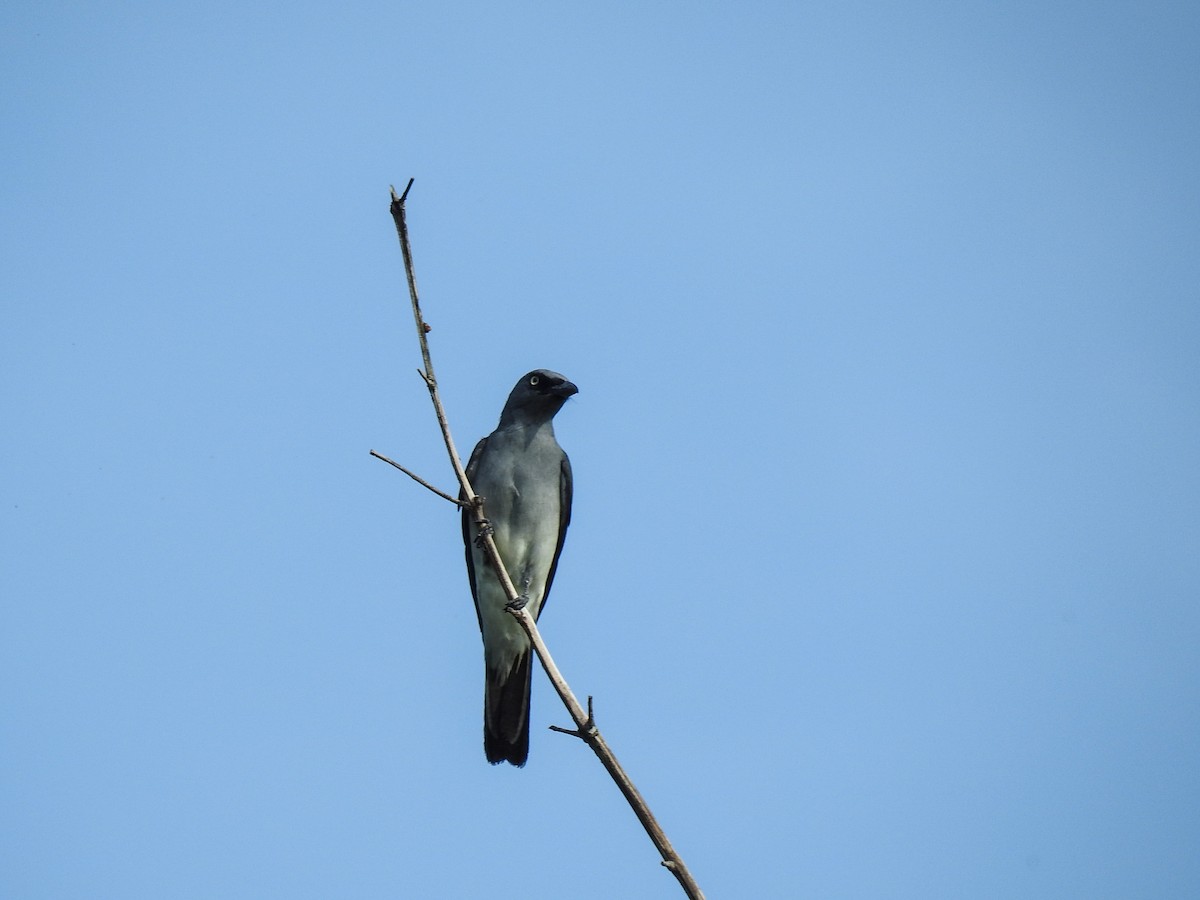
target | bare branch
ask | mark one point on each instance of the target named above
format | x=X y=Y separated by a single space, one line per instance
x=586 y=729
x=418 y=479
x=398 y=216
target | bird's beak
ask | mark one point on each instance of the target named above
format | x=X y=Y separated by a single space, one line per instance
x=564 y=390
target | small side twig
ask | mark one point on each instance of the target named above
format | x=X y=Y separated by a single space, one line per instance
x=582 y=730
x=418 y=479
x=585 y=723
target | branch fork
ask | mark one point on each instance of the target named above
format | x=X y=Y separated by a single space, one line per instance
x=583 y=732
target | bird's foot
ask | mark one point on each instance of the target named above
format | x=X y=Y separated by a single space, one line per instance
x=519 y=603
x=485 y=529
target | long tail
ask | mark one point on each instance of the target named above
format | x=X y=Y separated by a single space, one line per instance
x=506 y=713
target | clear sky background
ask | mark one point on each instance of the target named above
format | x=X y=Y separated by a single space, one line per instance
x=885 y=563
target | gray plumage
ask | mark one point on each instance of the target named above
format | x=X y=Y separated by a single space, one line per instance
x=524 y=478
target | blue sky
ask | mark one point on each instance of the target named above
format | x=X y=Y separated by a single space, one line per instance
x=883 y=569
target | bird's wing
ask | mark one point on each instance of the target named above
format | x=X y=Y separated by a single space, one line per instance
x=565 y=491
x=472 y=467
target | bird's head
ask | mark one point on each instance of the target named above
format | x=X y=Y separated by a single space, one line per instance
x=537 y=397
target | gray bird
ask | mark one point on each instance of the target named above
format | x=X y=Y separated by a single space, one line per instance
x=525 y=481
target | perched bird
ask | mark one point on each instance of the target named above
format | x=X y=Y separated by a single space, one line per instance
x=524 y=478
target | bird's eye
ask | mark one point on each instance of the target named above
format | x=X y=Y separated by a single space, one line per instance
x=533 y=380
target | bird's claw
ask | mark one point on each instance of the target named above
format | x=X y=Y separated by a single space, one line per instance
x=485 y=529
x=519 y=603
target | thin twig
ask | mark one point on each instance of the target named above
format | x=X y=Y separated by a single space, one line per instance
x=586 y=729
x=422 y=336
x=582 y=729
x=418 y=479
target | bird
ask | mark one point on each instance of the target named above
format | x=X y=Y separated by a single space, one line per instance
x=524 y=478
